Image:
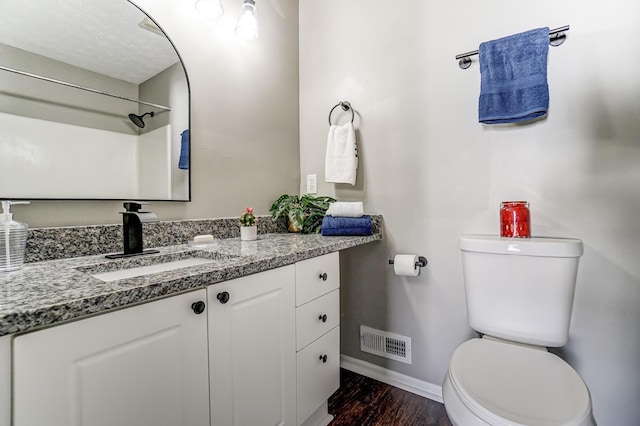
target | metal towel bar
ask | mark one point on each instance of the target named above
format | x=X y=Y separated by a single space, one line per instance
x=556 y=38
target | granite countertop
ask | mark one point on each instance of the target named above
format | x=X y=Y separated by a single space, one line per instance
x=50 y=292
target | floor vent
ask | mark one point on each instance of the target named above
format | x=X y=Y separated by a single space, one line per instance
x=388 y=345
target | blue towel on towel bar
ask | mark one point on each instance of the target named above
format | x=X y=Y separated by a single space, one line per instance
x=183 y=163
x=513 y=71
x=347 y=225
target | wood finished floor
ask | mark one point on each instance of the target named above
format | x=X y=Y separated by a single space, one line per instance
x=362 y=401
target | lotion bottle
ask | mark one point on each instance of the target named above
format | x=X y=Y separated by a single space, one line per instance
x=13 y=239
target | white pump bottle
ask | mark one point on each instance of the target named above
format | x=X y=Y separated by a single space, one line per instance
x=13 y=239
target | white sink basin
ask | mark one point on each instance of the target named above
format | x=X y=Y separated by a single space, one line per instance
x=138 y=271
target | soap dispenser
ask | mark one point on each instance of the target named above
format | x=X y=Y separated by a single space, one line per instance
x=13 y=239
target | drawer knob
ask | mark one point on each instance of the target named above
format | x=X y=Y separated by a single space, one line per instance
x=198 y=307
x=223 y=297
x=323 y=358
x=323 y=277
x=323 y=318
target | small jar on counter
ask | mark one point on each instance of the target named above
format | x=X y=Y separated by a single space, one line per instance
x=514 y=219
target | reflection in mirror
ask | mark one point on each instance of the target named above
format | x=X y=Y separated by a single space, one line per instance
x=94 y=103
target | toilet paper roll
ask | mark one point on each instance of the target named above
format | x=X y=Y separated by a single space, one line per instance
x=405 y=265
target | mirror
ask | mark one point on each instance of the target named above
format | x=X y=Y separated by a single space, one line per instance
x=94 y=103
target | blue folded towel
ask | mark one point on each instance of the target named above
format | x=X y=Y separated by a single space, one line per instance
x=513 y=84
x=183 y=163
x=347 y=225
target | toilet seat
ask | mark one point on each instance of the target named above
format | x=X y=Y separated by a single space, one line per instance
x=508 y=384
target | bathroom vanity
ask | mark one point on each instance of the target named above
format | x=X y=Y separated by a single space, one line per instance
x=248 y=335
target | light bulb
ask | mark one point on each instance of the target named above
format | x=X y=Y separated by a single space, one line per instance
x=247 y=27
x=209 y=8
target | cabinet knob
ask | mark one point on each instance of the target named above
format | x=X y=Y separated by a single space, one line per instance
x=323 y=358
x=323 y=318
x=198 y=307
x=223 y=297
x=323 y=277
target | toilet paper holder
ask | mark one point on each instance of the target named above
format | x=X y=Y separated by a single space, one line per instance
x=422 y=262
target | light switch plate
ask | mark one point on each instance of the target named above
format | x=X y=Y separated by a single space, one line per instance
x=312 y=184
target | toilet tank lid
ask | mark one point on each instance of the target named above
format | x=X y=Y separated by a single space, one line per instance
x=536 y=246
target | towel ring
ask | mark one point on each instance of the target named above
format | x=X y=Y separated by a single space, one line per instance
x=346 y=106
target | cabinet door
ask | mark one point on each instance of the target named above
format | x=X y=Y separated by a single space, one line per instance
x=140 y=366
x=318 y=373
x=5 y=380
x=252 y=349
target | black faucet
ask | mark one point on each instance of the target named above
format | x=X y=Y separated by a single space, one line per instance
x=132 y=220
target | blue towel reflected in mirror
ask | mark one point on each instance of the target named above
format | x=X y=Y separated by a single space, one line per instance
x=183 y=163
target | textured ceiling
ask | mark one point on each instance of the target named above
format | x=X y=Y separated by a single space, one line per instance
x=103 y=36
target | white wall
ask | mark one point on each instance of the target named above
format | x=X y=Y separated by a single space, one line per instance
x=154 y=90
x=154 y=164
x=66 y=161
x=244 y=117
x=435 y=173
x=63 y=160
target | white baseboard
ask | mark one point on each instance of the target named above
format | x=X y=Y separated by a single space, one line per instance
x=419 y=387
x=320 y=417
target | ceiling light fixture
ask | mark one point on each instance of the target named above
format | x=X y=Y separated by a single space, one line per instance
x=210 y=9
x=247 y=27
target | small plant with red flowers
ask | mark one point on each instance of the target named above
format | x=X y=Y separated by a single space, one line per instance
x=247 y=218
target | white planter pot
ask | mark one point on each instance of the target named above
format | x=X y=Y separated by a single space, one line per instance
x=248 y=233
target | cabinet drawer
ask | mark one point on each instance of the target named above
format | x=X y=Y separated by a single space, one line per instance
x=317 y=276
x=317 y=379
x=315 y=318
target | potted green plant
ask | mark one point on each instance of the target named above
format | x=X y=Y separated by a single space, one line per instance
x=303 y=214
x=248 y=228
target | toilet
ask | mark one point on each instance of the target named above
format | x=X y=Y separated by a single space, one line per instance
x=519 y=295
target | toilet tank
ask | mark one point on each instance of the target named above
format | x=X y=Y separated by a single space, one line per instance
x=520 y=289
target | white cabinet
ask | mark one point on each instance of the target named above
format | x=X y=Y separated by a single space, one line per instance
x=5 y=380
x=317 y=276
x=252 y=349
x=317 y=336
x=258 y=350
x=315 y=318
x=140 y=366
x=318 y=374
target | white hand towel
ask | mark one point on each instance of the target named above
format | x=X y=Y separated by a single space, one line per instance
x=346 y=209
x=341 y=161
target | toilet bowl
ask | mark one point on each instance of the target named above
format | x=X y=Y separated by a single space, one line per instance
x=497 y=383
x=519 y=295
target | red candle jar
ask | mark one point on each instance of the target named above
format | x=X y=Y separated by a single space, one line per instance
x=514 y=219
